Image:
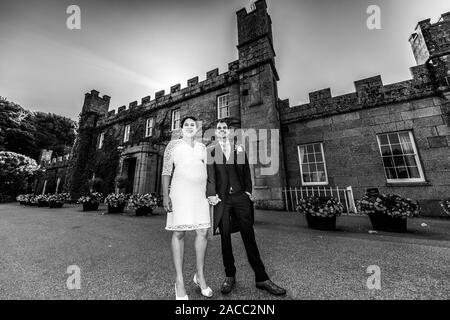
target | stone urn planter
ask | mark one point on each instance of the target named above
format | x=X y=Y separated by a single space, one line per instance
x=388 y=223
x=57 y=200
x=116 y=209
x=91 y=201
x=143 y=203
x=55 y=204
x=90 y=206
x=144 y=211
x=43 y=203
x=320 y=212
x=116 y=202
x=388 y=212
x=321 y=223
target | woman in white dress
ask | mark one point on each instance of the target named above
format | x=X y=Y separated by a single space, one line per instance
x=187 y=206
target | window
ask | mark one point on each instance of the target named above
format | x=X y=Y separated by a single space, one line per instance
x=100 y=140
x=400 y=159
x=149 y=127
x=126 y=134
x=176 y=119
x=313 y=169
x=222 y=106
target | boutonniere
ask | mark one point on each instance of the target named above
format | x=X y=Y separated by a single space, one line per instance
x=239 y=148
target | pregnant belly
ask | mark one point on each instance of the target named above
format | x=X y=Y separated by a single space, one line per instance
x=191 y=173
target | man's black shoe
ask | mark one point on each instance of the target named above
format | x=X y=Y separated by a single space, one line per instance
x=271 y=287
x=228 y=285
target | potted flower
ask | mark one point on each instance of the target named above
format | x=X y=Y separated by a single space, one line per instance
x=320 y=212
x=143 y=204
x=388 y=212
x=21 y=198
x=91 y=202
x=116 y=202
x=31 y=200
x=57 y=200
x=158 y=199
x=42 y=200
x=445 y=205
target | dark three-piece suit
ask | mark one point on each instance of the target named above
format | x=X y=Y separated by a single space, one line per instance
x=230 y=179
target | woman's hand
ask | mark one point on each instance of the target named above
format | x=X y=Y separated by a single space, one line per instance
x=167 y=203
x=213 y=200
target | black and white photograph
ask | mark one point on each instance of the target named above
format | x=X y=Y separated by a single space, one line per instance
x=247 y=155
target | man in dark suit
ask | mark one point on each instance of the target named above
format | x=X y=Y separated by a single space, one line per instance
x=230 y=189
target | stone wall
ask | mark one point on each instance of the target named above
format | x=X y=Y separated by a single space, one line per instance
x=352 y=153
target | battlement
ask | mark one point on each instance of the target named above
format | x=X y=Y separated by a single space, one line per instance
x=213 y=81
x=369 y=92
x=254 y=24
x=258 y=5
x=94 y=103
x=46 y=161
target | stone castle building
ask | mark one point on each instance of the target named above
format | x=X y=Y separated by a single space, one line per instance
x=392 y=137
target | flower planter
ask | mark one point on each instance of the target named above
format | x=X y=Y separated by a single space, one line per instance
x=383 y=222
x=321 y=223
x=118 y=209
x=54 y=204
x=144 y=211
x=90 y=206
x=43 y=204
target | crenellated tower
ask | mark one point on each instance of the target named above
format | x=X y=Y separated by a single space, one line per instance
x=94 y=108
x=430 y=46
x=259 y=95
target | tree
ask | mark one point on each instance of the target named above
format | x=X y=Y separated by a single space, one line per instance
x=17 y=172
x=27 y=132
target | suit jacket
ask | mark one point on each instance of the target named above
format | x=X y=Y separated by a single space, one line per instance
x=218 y=181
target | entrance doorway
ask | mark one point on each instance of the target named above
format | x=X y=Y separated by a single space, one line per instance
x=130 y=171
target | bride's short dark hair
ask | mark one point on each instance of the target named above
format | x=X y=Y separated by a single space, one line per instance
x=188 y=117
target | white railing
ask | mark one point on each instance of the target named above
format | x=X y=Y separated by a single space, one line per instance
x=343 y=195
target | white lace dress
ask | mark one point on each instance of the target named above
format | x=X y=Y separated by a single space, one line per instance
x=187 y=165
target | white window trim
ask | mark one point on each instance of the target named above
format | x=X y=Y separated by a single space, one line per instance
x=173 y=118
x=416 y=157
x=152 y=121
x=227 y=107
x=322 y=183
x=100 y=140
x=126 y=134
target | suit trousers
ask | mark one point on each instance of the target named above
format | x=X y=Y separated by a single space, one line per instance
x=239 y=206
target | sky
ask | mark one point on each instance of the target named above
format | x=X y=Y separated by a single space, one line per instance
x=132 y=49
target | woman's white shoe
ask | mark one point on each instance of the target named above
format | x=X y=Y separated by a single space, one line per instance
x=180 y=298
x=205 y=292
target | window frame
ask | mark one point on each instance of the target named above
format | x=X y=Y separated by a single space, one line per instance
x=220 y=108
x=147 y=134
x=416 y=157
x=101 y=138
x=126 y=133
x=320 y=183
x=172 y=119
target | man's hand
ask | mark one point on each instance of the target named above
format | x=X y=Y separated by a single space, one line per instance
x=252 y=198
x=213 y=200
x=167 y=203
